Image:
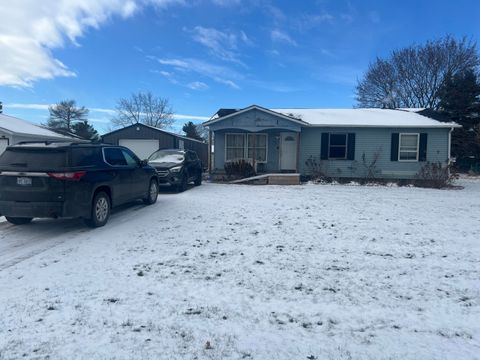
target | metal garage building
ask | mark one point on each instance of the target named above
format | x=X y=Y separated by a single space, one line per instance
x=143 y=140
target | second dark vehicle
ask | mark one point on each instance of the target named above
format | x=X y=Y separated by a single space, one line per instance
x=177 y=167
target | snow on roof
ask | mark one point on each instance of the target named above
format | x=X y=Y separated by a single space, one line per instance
x=364 y=118
x=19 y=126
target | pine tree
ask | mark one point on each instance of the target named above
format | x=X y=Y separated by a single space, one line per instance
x=85 y=131
x=460 y=102
x=64 y=115
x=191 y=130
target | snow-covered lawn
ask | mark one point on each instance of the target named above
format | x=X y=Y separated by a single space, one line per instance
x=252 y=272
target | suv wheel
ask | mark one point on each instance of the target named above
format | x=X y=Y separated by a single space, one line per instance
x=152 y=193
x=183 y=185
x=100 y=210
x=18 y=220
x=198 y=179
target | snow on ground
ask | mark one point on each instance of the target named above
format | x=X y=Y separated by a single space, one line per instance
x=252 y=272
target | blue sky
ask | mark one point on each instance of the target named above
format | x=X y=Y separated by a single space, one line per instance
x=206 y=54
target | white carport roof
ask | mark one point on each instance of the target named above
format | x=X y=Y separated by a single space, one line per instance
x=18 y=126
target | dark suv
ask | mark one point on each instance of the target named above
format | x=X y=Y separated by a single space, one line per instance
x=54 y=179
x=177 y=167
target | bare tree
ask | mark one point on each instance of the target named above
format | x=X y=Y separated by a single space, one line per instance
x=413 y=76
x=144 y=108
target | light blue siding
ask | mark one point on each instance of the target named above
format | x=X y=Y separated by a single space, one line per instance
x=255 y=121
x=272 y=148
x=368 y=141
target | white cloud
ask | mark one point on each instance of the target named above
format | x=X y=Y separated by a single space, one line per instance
x=221 y=74
x=193 y=117
x=226 y=2
x=222 y=44
x=44 y=107
x=281 y=36
x=197 y=85
x=31 y=29
x=27 y=106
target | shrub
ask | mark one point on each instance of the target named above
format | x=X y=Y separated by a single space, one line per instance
x=239 y=169
x=434 y=175
x=315 y=168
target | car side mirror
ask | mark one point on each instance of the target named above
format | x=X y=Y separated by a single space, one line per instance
x=143 y=162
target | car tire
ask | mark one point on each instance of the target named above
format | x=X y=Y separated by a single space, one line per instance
x=198 y=179
x=152 y=193
x=100 y=210
x=18 y=220
x=183 y=185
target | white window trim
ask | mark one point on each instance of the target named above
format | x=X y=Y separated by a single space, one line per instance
x=400 y=143
x=245 y=147
x=346 y=147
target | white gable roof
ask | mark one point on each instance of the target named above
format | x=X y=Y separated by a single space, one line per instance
x=18 y=126
x=364 y=118
x=399 y=118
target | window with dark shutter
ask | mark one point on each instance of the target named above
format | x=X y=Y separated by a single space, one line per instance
x=408 y=146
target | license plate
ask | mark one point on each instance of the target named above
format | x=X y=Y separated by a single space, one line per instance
x=24 y=181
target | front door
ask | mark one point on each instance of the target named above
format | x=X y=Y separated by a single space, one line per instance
x=288 y=151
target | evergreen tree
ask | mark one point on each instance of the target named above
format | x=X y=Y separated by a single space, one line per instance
x=64 y=115
x=85 y=131
x=191 y=130
x=460 y=102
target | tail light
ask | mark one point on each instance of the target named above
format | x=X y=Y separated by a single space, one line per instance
x=72 y=176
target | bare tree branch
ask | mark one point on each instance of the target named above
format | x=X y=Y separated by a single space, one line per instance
x=413 y=76
x=144 y=108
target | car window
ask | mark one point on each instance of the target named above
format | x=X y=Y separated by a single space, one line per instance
x=114 y=156
x=84 y=156
x=131 y=159
x=33 y=159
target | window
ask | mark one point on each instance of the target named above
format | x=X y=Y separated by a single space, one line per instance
x=32 y=159
x=131 y=159
x=181 y=144
x=85 y=156
x=235 y=147
x=246 y=146
x=337 y=146
x=408 y=147
x=114 y=156
x=257 y=144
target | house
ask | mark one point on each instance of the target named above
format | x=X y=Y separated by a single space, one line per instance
x=352 y=143
x=14 y=130
x=143 y=140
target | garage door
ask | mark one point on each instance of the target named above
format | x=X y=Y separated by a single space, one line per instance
x=142 y=148
x=3 y=145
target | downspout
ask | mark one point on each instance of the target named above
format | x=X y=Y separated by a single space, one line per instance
x=209 y=152
x=450 y=146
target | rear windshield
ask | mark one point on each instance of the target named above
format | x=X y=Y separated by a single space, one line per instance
x=32 y=159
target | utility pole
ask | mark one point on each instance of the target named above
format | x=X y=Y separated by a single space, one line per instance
x=1 y=107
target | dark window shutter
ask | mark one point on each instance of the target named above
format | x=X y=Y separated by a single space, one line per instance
x=351 y=146
x=422 y=151
x=394 y=148
x=324 y=147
